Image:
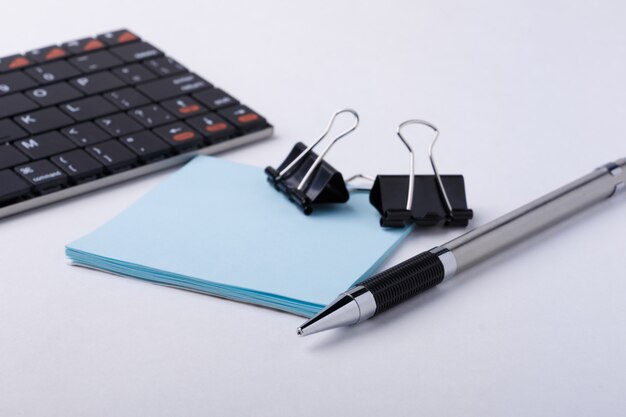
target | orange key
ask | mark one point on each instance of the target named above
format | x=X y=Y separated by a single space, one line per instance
x=243 y=117
x=93 y=44
x=126 y=37
x=250 y=117
x=118 y=37
x=55 y=53
x=179 y=137
x=216 y=127
x=189 y=109
x=19 y=62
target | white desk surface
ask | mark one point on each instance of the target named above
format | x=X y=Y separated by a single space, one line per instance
x=528 y=96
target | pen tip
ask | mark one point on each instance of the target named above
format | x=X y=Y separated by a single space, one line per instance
x=344 y=311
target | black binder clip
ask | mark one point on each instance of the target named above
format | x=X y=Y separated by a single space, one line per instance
x=306 y=179
x=425 y=200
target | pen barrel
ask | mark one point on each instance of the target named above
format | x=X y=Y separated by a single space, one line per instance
x=536 y=216
x=405 y=280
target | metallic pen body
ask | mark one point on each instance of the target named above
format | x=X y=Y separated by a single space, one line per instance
x=390 y=287
x=484 y=241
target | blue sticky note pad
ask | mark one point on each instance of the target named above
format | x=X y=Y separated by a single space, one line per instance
x=218 y=227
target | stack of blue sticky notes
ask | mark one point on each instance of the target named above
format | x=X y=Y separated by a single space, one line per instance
x=217 y=227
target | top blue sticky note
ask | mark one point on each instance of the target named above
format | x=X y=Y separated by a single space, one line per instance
x=217 y=227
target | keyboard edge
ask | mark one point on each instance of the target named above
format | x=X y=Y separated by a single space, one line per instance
x=173 y=161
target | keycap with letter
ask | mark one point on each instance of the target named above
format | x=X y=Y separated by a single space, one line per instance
x=99 y=110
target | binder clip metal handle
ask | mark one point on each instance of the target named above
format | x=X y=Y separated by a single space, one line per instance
x=306 y=178
x=430 y=199
x=411 y=191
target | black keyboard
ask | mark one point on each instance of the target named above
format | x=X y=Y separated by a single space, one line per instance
x=97 y=111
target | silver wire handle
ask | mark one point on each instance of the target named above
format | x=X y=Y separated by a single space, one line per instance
x=319 y=159
x=409 y=201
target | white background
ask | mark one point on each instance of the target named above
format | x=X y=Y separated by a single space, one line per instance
x=527 y=95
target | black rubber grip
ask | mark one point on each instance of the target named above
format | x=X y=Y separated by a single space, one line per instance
x=405 y=280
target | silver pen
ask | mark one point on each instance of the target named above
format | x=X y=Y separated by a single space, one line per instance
x=415 y=275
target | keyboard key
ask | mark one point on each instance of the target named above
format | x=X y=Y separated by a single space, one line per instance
x=15 y=82
x=42 y=120
x=118 y=37
x=44 y=145
x=84 y=134
x=15 y=104
x=212 y=127
x=215 y=99
x=97 y=83
x=54 y=71
x=10 y=157
x=179 y=135
x=119 y=124
x=184 y=106
x=44 y=176
x=83 y=45
x=10 y=131
x=133 y=74
x=126 y=98
x=136 y=51
x=113 y=155
x=48 y=53
x=78 y=165
x=173 y=86
x=151 y=116
x=165 y=66
x=88 y=108
x=12 y=187
x=147 y=145
x=95 y=61
x=12 y=62
x=243 y=118
x=54 y=94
